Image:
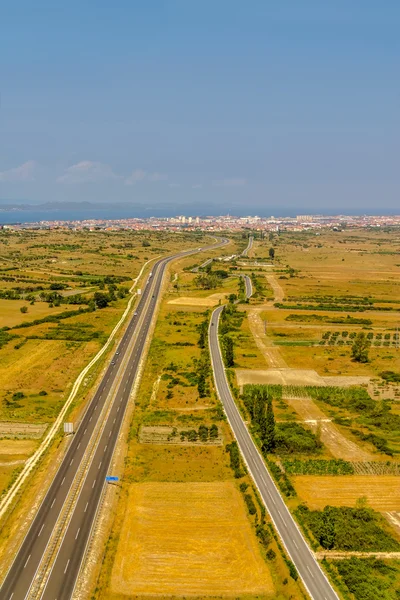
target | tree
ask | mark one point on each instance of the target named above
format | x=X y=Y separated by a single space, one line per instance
x=207 y=282
x=213 y=432
x=272 y=253
x=269 y=439
x=359 y=350
x=201 y=386
x=101 y=299
x=145 y=244
x=24 y=309
x=229 y=354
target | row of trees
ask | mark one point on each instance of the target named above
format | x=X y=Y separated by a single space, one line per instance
x=259 y=404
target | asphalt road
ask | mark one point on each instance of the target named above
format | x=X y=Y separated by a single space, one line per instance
x=66 y=566
x=309 y=570
x=249 y=246
x=249 y=286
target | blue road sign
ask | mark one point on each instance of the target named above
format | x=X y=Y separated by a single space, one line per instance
x=112 y=478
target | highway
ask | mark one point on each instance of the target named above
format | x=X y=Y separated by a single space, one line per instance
x=115 y=388
x=248 y=247
x=309 y=570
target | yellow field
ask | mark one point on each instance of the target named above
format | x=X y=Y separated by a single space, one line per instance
x=10 y=314
x=382 y=491
x=17 y=447
x=211 y=300
x=188 y=539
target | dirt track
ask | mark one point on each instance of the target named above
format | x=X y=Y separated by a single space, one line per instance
x=336 y=442
x=270 y=352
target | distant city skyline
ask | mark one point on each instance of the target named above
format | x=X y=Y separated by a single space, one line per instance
x=205 y=107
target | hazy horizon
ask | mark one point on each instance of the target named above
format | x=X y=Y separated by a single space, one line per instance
x=238 y=107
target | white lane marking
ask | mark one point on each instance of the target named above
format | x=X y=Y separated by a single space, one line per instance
x=71 y=462
x=40 y=530
x=27 y=561
x=86 y=506
x=65 y=570
x=295 y=544
x=78 y=446
x=99 y=465
x=90 y=419
x=52 y=503
x=105 y=448
x=109 y=434
x=93 y=483
x=118 y=409
x=11 y=596
x=95 y=407
x=114 y=421
x=62 y=481
x=77 y=533
x=310 y=571
x=85 y=431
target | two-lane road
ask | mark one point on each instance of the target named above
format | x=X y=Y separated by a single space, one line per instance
x=118 y=381
x=249 y=286
x=309 y=570
x=248 y=247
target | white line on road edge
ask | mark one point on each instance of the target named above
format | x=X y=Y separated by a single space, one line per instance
x=33 y=460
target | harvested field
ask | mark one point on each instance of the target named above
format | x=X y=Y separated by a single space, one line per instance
x=334 y=440
x=382 y=491
x=295 y=377
x=346 y=380
x=13 y=447
x=211 y=300
x=172 y=435
x=279 y=376
x=22 y=430
x=188 y=539
x=10 y=313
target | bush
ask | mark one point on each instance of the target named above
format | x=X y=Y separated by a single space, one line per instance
x=251 y=507
x=293 y=437
x=348 y=529
x=271 y=555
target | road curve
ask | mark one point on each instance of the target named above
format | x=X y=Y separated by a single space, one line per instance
x=248 y=247
x=308 y=568
x=249 y=286
x=65 y=569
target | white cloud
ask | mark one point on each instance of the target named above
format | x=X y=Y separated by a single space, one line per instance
x=88 y=171
x=140 y=175
x=174 y=185
x=25 y=172
x=234 y=182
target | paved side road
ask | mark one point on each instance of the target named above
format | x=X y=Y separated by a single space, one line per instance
x=66 y=567
x=249 y=286
x=248 y=247
x=309 y=570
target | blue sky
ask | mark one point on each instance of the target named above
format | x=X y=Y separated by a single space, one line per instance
x=241 y=106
